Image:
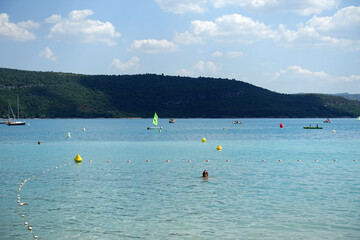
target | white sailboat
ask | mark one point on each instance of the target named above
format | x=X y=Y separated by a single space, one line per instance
x=155 y=122
x=15 y=122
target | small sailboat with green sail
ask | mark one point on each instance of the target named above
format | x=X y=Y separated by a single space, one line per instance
x=155 y=123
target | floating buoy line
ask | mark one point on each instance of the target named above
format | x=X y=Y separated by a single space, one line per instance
x=27 y=180
x=20 y=203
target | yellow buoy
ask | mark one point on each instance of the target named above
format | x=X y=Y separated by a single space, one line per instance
x=219 y=148
x=203 y=140
x=78 y=159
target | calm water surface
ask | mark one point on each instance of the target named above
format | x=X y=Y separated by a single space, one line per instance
x=109 y=197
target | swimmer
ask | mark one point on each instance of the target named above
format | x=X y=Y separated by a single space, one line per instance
x=205 y=174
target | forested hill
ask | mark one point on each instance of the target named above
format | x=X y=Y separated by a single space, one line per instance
x=67 y=95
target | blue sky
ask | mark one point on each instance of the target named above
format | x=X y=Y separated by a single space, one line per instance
x=287 y=46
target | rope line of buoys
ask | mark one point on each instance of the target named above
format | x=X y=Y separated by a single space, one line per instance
x=26 y=180
x=227 y=160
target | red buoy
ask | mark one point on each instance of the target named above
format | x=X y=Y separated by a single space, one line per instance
x=281 y=125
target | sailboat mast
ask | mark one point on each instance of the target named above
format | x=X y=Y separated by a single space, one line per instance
x=11 y=111
x=17 y=95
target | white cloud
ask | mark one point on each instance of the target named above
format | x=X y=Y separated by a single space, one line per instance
x=77 y=27
x=201 y=68
x=206 y=67
x=340 y=30
x=29 y=24
x=48 y=54
x=186 y=38
x=343 y=24
x=217 y=54
x=234 y=54
x=53 y=19
x=302 y=7
x=17 y=32
x=295 y=79
x=132 y=63
x=183 y=6
x=153 y=46
x=233 y=28
x=77 y=15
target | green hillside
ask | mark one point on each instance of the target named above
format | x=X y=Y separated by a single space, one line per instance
x=67 y=95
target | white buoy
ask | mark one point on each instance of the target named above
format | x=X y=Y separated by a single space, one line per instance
x=334 y=131
x=69 y=135
x=84 y=129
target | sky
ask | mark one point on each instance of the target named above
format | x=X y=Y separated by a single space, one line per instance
x=286 y=46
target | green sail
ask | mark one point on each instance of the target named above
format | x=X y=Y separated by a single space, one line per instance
x=155 y=120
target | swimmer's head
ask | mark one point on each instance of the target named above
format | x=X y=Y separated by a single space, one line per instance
x=205 y=173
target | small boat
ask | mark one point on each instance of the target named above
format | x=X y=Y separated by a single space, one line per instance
x=172 y=120
x=327 y=121
x=155 y=122
x=310 y=127
x=149 y=128
x=237 y=122
x=14 y=122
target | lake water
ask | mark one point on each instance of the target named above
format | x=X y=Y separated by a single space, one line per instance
x=135 y=183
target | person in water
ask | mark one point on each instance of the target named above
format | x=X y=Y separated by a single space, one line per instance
x=205 y=174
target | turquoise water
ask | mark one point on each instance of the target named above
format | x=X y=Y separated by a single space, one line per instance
x=107 y=197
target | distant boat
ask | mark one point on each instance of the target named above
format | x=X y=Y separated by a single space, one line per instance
x=14 y=122
x=155 y=122
x=172 y=120
x=358 y=118
x=327 y=121
x=237 y=122
x=310 y=127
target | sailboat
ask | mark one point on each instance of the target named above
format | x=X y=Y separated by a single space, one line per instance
x=155 y=122
x=14 y=122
